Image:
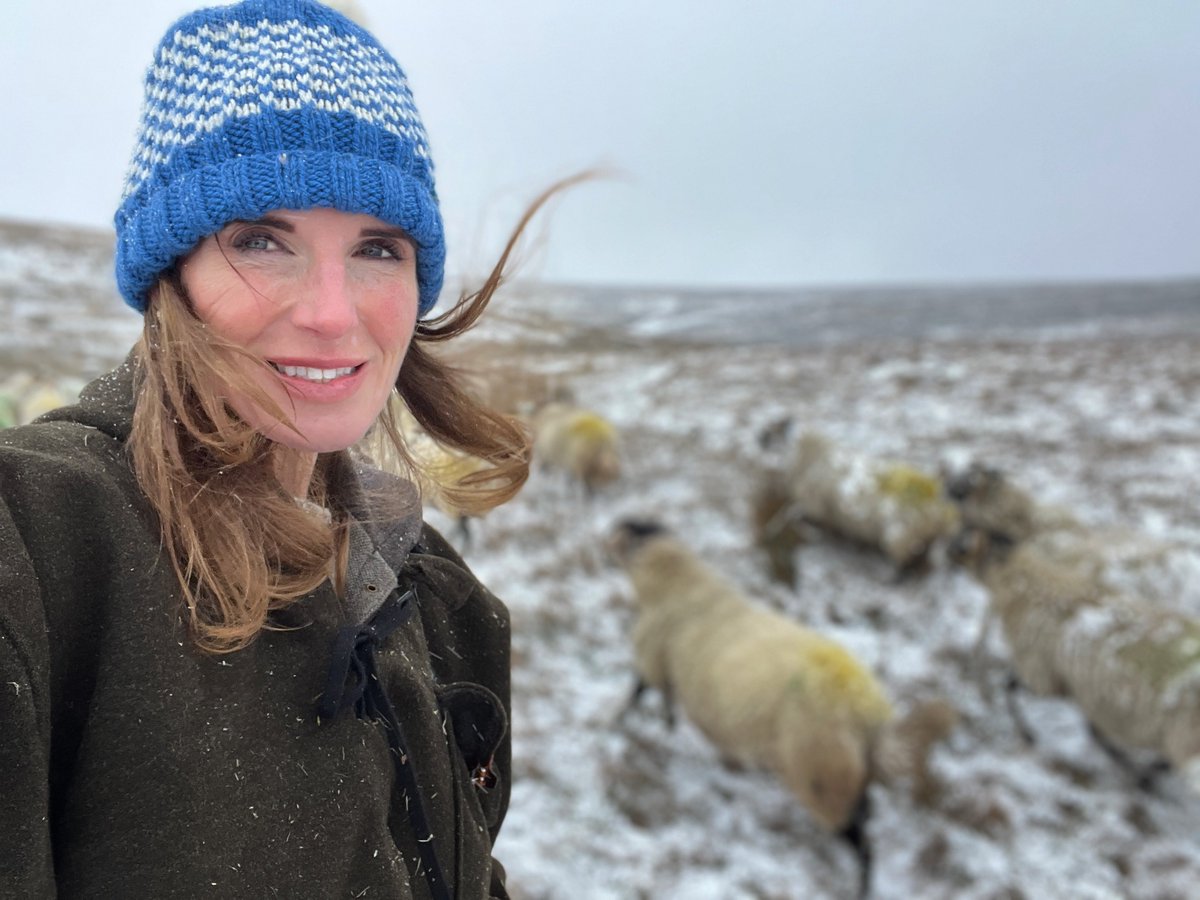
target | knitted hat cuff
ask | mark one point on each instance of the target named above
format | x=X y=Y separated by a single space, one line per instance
x=158 y=226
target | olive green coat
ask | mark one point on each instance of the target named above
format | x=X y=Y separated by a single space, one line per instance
x=134 y=765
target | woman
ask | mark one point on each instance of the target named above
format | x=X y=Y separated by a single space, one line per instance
x=233 y=660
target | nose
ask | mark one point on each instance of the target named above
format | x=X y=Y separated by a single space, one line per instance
x=325 y=301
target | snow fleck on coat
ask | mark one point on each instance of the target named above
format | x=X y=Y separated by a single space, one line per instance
x=579 y=442
x=766 y=691
x=880 y=503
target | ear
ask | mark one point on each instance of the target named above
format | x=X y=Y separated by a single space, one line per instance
x=628 y=535
x=640 y=528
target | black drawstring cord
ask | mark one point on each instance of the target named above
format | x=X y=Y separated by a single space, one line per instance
x=353 y=681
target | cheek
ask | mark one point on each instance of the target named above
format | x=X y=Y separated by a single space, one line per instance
x=392 y=321
x=227 y=306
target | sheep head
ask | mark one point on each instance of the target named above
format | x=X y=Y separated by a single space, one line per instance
x=988 y=500
x=629 y=536
x=826 y=770
x=977 y=550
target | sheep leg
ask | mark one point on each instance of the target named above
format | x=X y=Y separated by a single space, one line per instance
x=977 y=656
x=778 y=534
x=1012 y=685
x=640 y=686
x=1144 y=776
x=916 y=567
x=781 y=562
x=635 y=698
x=668 y=707
x=855 y=834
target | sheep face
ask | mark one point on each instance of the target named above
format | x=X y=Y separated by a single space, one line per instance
x=977 y=550
x=629 y=536
x=827 y=772
x=988 y=500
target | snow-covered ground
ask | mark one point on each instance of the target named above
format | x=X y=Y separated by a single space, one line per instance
x=1102 y=417
x=1104 y=421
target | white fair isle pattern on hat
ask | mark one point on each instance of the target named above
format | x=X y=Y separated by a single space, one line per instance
x=220 y=73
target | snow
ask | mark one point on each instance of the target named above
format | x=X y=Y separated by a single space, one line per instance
x=1100 y=418
x=1100 y=415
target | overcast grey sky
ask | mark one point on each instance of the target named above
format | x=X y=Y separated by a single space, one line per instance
x=763 y=142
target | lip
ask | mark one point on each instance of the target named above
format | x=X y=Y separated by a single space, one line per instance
x=314 y=363
x=322 y=392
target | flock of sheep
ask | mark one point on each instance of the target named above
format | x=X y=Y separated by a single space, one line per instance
x=770 y=693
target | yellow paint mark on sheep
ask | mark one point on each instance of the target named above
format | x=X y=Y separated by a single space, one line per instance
x=907 y=484
x=1163 y=660
x=592 y=427
x=831 y=673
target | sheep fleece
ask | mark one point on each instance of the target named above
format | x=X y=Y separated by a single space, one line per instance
x=766 y=691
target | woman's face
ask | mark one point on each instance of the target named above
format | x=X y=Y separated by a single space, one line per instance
x=327 y=299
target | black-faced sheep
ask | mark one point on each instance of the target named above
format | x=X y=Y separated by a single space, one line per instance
x=766 y=691
x=1118 y=558
x=1132 y=667
x=579 y=442
x=880 y=503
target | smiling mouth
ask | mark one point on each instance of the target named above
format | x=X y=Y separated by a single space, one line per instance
x=318 y=376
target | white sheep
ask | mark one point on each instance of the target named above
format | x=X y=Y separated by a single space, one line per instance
x=880 y=503
x=23 y=398
x=766 y=691
x=1118 y=558
x=436 y=469
x=777 y=530
x=1132 y=667
x=577 y=441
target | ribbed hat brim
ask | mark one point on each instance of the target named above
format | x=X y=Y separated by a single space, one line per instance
x=199 y=202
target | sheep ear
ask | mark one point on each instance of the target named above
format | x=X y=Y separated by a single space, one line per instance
x=627 y=537
x=641 y=528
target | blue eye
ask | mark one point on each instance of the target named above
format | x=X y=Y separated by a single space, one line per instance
x=254 y=241
x=382 y=249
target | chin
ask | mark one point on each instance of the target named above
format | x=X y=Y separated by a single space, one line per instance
x=317 y=440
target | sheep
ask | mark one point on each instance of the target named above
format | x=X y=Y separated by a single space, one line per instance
x=905 y=745
x=882 y=504
x=989 y=501
x=777 y=532
x=1118 y=559
x=1130 y=666
x=577 y=441
x=436 y=469
x=767 y=692
x=23 y=399
x=10 y=413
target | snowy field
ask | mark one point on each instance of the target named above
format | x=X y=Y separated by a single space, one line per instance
x=1104 y=425
x=1101 y=416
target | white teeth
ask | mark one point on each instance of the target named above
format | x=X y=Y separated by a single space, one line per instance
x=311 y=374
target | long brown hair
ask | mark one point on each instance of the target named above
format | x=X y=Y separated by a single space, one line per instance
x=240 y=544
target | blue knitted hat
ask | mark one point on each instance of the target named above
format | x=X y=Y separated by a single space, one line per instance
x=272 y=104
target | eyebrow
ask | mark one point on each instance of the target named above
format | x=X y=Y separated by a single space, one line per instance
x=395 y=233
x=269 y=221
x=283 y=225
